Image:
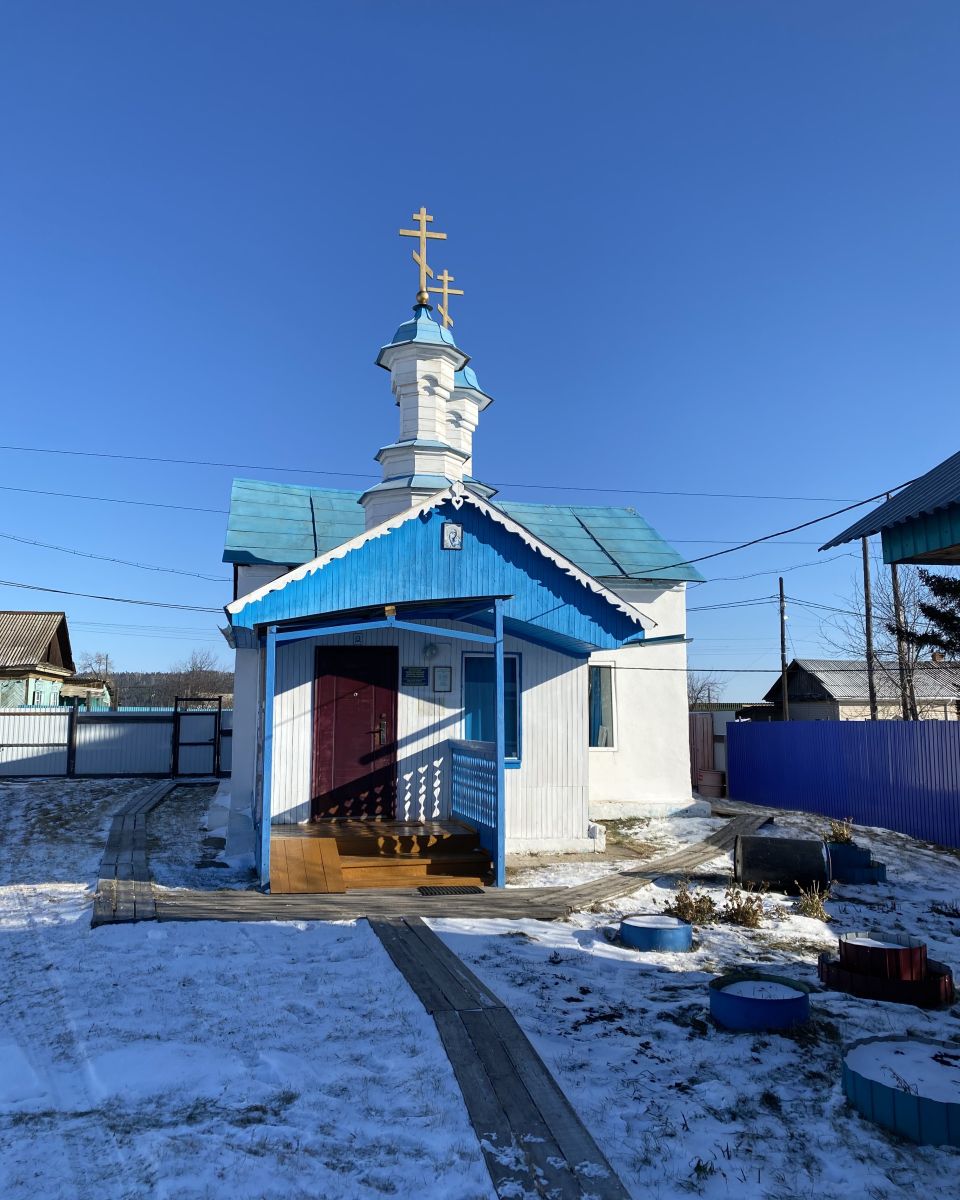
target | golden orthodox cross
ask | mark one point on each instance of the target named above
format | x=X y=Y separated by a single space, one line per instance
x=446 y=292
x=423 y=217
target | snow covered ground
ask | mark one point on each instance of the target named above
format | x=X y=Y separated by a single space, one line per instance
x=206 y=1061
x=681 y=1107
x=629 y=844
x=187 y=842
x=203 y=1061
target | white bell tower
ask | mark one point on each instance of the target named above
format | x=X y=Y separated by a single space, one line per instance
x=438 y=396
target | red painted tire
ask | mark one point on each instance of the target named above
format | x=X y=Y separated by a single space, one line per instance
x=935 y=990
x=892 y=956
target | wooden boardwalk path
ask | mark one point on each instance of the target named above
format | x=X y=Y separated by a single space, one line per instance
x=126 y=892
x=545 y=904
x=532 y=1140
x=124 y=888
x=622 y=883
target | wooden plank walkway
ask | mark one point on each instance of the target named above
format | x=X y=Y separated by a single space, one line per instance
x=543 y=904
x=124 y=888
x=622 y=883
x=532 y=1140
x=125 y=891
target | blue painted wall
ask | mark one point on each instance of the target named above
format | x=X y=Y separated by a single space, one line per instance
x=902 y=775
x=408 y=565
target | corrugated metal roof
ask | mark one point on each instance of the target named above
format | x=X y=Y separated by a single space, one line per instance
x=939 y=488
x=289 y=525
x=605 y=542
x=846 y=679
x=26 y=636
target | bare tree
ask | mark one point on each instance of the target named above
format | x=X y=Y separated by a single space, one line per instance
x=845 y=632
x=702 y=688
x=94 y=662
x=199 y=674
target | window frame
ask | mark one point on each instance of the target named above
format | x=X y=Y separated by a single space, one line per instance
x=510 y=764
x=614 y=740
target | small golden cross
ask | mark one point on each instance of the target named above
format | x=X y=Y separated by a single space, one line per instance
x=421 y=259
x=446 y=291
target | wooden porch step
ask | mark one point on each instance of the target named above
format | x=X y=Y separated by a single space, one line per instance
x=299 y=865
x=365 y=883
x=391 y=838
x=393 y=872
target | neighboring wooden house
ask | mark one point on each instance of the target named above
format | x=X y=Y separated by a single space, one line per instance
x=35 y=658
x=87 y=691
x=825 y=689
x=422 y=652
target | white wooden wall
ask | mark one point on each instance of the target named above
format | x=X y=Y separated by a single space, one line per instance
x=649 y=762
x=546 y=796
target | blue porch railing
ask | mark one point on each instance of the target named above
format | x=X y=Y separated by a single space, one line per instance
x=474 y=795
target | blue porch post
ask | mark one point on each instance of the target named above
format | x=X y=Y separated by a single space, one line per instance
x=500 y=864
x=266 y=786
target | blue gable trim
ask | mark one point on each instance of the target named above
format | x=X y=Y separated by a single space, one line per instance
x=407 y=565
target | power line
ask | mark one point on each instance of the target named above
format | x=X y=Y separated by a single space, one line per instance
x=195 y=462
x=111 y=500
x=781 y=532
x=12 y=537
x=775 y=669
x=817 y=562
x=849 y=612
x=733 y=604
x=32 y=587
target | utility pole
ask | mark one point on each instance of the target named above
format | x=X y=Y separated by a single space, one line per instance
x=783 y=653
x=901 y=644
x=868 y=618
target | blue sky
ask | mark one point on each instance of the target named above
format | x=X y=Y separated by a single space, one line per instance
x=707 y=247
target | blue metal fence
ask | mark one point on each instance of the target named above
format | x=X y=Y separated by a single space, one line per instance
x=902 y=775
x=473 y=793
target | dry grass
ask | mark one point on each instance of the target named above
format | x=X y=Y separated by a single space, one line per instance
x=742 y=908
x=696 y=907
x=840 y=831
x=810 y=902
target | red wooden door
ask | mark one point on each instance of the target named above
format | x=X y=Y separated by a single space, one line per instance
x=355 y=733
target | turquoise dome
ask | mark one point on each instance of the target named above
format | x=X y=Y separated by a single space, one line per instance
x=423 y=328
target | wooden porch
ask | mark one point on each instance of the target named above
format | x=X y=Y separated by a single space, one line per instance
x=329 y=857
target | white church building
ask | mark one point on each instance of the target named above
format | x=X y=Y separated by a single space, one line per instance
x=424 y=660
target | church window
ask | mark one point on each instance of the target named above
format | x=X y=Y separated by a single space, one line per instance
x=600 y=707
x=479 y=701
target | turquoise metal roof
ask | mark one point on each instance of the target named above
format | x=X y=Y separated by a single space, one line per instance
x=285 y=524
x=466 y=378
x=604 y=542
x=938 y=489
x=288 y=525
x=420 y=328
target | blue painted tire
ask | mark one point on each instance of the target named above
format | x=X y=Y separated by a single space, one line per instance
x=922 y=1120
x=656 y=933
x=874 y=872
x=758 y=1013
x=845 y=856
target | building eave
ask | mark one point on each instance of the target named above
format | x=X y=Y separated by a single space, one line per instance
x=458 y=495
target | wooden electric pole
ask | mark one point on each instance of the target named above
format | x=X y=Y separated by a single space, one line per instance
x=868 y=620
x=783 y=654
x=901 y=644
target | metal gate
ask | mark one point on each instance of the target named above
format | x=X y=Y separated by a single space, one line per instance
x=196 y=735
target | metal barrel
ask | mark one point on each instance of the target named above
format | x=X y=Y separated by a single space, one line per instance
x=783 y=864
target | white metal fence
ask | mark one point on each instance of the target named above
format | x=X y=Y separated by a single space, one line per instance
x=63 y=741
